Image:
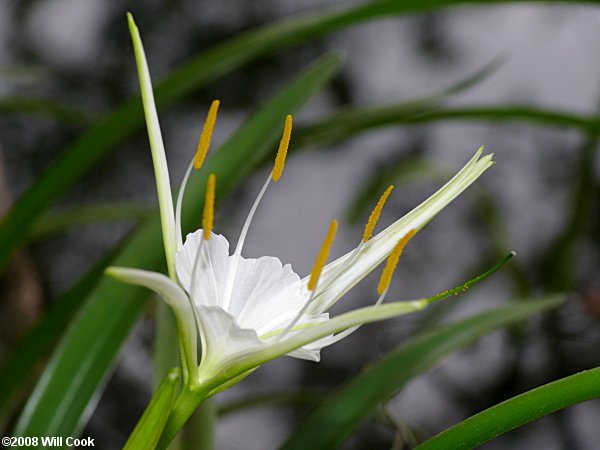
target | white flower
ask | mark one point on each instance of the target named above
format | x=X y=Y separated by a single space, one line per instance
x=249 y=311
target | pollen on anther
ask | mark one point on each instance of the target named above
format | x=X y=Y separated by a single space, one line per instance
x=322 y=256
x=209 y=206
x=392 y=262
x=374 y=217
x=205 y=137
x=283 y=148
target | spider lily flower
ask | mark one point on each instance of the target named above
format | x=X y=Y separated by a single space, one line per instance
x=248 y=311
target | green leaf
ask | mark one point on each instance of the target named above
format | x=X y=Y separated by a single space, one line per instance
x=47 y=109
x=331 y=423
x=519 y=410
x=345 y=124
x=148 y=430
x=64 y=397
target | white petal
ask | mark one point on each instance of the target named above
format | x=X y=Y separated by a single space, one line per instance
x=159 y=283
x=211 y=270
x=223 y=339
x=377 y=249
x=161 y=171
x=320 y=332
x=312 y=351
x=172 y=294
x=265 y=293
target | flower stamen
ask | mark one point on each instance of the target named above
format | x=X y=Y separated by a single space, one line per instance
x=274 y=175
x=205 y=137
x=392 y=262
x=322 y=256
x=375 y=214
x=283 y=148
x=367 y=234
x=315 y=275
x=209 y=206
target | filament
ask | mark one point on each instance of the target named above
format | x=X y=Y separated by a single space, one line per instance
x=179 y=203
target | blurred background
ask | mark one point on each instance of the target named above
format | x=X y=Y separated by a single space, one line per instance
x=488 y=73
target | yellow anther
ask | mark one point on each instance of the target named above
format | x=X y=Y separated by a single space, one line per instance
x=209 y=206
x=374 y=217
x=322 y=256
x=207 y=131
x=283 y=148
x=392 y=262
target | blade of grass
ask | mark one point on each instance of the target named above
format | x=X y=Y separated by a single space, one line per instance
x=518 y=411
x=332 y=422
x=65 y=395
x=84 y=153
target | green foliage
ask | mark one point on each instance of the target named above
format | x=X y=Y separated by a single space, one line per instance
x=518 y=411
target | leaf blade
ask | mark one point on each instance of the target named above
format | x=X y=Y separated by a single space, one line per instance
x=517 y=411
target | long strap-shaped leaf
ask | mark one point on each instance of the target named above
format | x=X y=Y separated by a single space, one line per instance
x=65 y=393
x=346 y=124
x=332 y=422
x=83 y=154
x=518 y=411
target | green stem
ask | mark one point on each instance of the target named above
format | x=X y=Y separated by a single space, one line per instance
x=517 y=411
x=184 y=407
x=149 y=429
x=199 y=430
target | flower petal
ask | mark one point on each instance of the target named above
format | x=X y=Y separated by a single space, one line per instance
x=173 y=295
x=211 y=268
x=161 y=171
x=377 y=249
x=223 y=339
x=316 y=333
x=265 y=296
